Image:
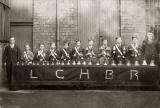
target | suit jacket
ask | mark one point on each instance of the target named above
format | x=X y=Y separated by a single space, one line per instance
x=150 y=51
x=11 y=55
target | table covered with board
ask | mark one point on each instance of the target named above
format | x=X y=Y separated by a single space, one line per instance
x=89 y=75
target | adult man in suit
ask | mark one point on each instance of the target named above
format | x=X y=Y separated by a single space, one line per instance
x=10 y=57
x=118 y=50
x=150 y=48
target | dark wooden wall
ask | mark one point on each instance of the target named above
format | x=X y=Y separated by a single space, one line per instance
x=4 y=20
x=22 y=21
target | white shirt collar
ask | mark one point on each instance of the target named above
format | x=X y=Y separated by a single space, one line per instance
x=12 y=45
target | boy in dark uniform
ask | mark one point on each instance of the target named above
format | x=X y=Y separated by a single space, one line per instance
x=65 y=53
x=118 y=51
x=77 y=51
x=89 y=52
x=52 y=54
x=10 y=57
x=41 y=54
x=134 y=50
x=104 y=52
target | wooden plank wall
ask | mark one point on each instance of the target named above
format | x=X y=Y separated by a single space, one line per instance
x=4 y=22
x=22 y=21
x=88 y=21
x=109 y=20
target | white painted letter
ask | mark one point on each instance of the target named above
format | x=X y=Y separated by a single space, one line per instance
x=134 y=73
x=84 y=73
x=31 y=75
x=109 y=74
x=59 y=77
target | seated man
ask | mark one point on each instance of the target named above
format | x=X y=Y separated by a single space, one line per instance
x=27 y=56
x=52 y=54
x=65 y=52
x=89 y=52
x=134 y=51
x=41 y=54
x=118 y=51
x=104 y=52
x=77 y=51
x=149 y=48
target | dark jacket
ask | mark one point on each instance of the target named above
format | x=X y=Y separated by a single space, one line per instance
x=11 y=55
x=63 y=55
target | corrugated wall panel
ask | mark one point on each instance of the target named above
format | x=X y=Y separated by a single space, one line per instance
x=88 y=21
x=109 y=19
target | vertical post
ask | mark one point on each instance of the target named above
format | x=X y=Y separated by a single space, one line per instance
x=120 y=18
x=57 y=27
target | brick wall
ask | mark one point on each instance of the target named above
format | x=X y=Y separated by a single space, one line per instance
x=132 y=19
x=44 y=22
x=67 y=20
x=44 y=29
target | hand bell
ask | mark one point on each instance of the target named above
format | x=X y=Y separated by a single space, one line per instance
x=97 y=63
x=17 y=63
x=144 y=62
x=89 y=63
x=113 y=63
x=74 y=63
x=136 y=63
x=120 y=63
x=152 y=63
x=47 y=63
x=62 y=63
x=128 y=63
x=68 y=63
x=52 y=63
x=84 y=62
x=78 y=63
x=33 y=63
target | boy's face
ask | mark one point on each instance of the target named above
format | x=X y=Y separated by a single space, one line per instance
x=27 y=47
x=119 y=41
x=41 y=47
x=135 y=40
x=53 y=45
x=66 y=45
x=105 y=42
x=90 y=43
x=78 y=43
x=150 y=36
x=12 y=40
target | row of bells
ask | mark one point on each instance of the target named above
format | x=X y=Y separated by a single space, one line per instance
x=136 y=63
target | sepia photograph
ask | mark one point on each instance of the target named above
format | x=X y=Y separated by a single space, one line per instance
x=79 y=53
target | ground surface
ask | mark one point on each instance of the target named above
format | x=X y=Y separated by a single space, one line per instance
x=78 y=99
